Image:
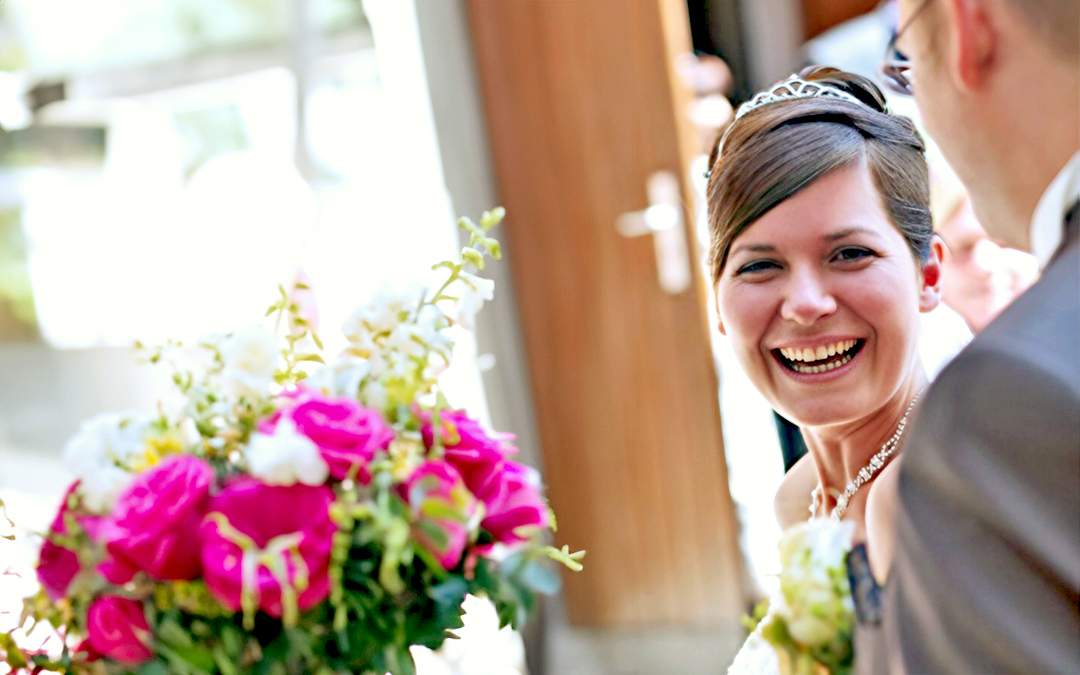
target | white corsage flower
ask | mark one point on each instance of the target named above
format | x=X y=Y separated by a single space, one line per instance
x=815 y=599
x=286 y=457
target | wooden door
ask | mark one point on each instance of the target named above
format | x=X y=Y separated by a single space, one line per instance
x=583 y=105
x=821 y=15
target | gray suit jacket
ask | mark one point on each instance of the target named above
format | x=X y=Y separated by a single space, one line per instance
x=986 y=577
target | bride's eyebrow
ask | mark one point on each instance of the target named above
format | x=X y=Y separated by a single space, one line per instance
x=754 y=248
x=847 y=232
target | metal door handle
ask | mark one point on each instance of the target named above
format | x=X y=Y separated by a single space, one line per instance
x=663 y=219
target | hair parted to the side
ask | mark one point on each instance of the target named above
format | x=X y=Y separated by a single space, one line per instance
x=774 y=151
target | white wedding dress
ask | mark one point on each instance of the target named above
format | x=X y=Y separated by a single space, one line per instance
x=755 y=657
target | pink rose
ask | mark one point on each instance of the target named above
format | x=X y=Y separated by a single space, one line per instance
x=57 y=565
x=442 y=507
x=477 y=455
x=521 y=508
x=347 y=434
x=268 y=521
x=152 y=525
x=117 y=629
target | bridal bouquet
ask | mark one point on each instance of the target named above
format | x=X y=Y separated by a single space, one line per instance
x=807 y=628
x=293 y=514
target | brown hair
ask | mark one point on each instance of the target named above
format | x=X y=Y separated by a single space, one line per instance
x=776 y=150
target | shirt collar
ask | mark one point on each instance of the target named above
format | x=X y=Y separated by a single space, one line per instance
x=1048 y=224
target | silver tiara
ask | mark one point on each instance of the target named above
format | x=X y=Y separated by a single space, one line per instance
x=791 y=89
x=794 y=88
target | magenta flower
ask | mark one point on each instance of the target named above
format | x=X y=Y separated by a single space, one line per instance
x=347 y=434
x=152 y=525
x=57 y=565
x=477 y=455
x=521 y=509
x=442 y=507
x=260 y=538
x=117 y=629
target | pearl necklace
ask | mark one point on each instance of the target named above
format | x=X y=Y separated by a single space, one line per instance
x=879 y=460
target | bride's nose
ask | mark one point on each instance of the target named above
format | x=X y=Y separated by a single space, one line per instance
x=806 y=300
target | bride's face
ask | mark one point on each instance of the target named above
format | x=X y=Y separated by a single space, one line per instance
x=820 y=298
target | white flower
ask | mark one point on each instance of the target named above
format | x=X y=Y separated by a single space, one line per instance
x=389 y=308
x=475 y=291
x=341 y=378
x=101 y=487
x=814 y=599
x=286 y=457
x=250 y=357
x=827 y=540
x=100 y=453
x=374 y=395
x=189 y=433
x=432 y=327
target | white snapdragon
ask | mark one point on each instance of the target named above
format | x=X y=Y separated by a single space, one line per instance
x=475 y=291
x=100 y=454
x=251 y=357
x=286 y=457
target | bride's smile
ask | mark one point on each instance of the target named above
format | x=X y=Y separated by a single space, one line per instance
x=819 y=360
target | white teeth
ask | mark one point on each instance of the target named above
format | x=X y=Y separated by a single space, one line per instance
x=817 y=353
x=800 y=368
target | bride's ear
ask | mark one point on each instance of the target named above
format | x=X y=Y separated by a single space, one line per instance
x=716 y=306
x=930 y=276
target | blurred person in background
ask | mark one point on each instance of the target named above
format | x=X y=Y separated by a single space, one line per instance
x=986 y=575
x=981 y=276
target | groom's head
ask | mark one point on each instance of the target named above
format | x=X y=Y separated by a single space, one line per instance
x=998 y=84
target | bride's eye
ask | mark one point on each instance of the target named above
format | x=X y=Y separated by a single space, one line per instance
x=852 y=253
x=757 y=266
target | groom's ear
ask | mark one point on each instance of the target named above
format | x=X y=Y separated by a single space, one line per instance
x=930 y=276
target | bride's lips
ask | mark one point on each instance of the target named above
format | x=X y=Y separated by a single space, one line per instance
x=826 y=369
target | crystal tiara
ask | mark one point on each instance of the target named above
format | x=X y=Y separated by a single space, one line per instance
x=793 y=88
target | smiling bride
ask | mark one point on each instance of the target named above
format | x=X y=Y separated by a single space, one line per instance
x=823 y=257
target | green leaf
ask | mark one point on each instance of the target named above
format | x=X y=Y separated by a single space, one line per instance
x=170 y=632
x=311 y=357
x=152 y=668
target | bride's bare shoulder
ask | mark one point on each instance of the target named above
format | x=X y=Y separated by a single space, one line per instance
x=793 y=497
